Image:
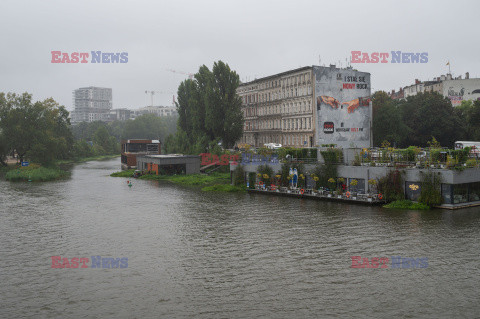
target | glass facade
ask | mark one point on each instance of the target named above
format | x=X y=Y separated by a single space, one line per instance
x=474 y=192
x=461 y=193
x=359 y=188
x=447 y=195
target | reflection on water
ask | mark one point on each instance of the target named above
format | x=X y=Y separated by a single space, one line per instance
x=196 y=254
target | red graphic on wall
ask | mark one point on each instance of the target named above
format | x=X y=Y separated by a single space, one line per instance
x=351 y=105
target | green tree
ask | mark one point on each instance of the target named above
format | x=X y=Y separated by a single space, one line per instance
x=388 y=125
x=223 y=115
x=3 y=149
x=430 y=114
x=209 y=110
x=37 y=130
x=102 y=138
x=380 y=99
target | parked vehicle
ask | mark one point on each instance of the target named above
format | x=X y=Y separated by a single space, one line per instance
x=475 y=147
x=273 y=146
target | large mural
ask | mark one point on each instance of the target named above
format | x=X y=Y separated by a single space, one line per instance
x=343 y=107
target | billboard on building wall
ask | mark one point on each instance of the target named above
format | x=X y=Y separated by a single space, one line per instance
x=460 y=90
x=343 y=107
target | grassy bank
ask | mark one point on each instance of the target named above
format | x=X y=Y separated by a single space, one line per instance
x=87 y=159
x=407 y=204
x=35 y=173
x=216 y=182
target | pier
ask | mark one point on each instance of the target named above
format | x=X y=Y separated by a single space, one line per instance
x=363 y=199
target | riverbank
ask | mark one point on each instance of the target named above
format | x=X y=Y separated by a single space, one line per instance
x=87 y=159
x=215 y=182
x=37 y=173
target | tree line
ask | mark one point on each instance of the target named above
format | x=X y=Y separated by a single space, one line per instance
x=416 y=119
x=41 y=132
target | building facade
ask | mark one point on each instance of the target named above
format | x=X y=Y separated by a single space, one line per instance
x=157 y=110
x=455 y=89
x=91 y=104
x=137 y=147
x=308 y=106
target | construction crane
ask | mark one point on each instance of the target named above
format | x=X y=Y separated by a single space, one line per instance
x=190 y=75
x=153 y=92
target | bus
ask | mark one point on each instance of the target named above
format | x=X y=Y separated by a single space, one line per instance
x=475 y=147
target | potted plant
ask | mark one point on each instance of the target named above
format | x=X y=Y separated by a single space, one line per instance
x=354 y=182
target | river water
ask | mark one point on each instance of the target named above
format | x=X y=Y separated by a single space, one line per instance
x=207 y=255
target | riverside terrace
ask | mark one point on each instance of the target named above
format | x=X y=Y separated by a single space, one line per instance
x=360 y=169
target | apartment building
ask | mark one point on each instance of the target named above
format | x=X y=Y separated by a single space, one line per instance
x=91 y=104
x=308 y=106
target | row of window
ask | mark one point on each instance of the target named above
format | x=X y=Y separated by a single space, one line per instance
x=277 y=94
x=288 y=108
x=286 y=140
x=303 y=123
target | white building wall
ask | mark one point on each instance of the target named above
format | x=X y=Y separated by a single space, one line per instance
x=460 y=90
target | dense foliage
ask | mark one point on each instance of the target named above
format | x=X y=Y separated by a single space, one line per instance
x=209 y=111
x=38 y=130
x=239 y=176
x=41 y=132
x=415 y=120
x=407 y=204
x=391 y=186
x=431 y=189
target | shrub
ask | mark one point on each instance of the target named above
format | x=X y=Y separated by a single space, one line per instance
x=239 y=176
x=251 y=179
x=431 y=192
x=35 y=174
x=391 y=186
x=407 y=204
x=471 y=162
x=266 y=173
x=332 y=156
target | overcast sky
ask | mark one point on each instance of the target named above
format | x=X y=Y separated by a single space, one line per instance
x=256 y=38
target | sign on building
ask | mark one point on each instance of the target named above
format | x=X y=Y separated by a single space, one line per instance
x=343 y=107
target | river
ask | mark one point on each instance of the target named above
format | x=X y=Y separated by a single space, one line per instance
x=193 y=254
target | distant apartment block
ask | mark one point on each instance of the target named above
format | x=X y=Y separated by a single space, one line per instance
x=91 y=104
x=455 y=89
x=157 y=110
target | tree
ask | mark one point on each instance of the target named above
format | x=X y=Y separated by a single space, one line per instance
x=37 y=130
x=380 y=99
x=209 y=110
x=388 y=125
x=3 y=149
x=430 y=114
x=223 y=115
x=469 y=113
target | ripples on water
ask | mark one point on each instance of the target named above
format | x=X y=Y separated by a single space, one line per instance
x=206 y=255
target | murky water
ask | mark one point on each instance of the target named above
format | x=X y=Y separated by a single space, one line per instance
x=204 y=255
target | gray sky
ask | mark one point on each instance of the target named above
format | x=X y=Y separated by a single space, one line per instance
x=256 y=38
